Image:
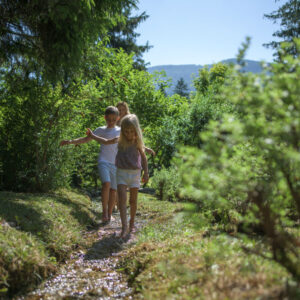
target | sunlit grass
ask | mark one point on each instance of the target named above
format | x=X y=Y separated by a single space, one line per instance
x=178 y=256
x=36 y=232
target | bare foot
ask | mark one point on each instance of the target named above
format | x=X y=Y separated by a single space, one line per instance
x=132 y=229
x=124 y=233
x=104 y=219
x=131 y=226
x=111 y=218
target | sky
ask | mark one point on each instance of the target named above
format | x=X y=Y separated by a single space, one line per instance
x=205 y=31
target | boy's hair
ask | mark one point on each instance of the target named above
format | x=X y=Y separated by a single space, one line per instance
x=122 y=103
x=130 y=121
x=111 y=110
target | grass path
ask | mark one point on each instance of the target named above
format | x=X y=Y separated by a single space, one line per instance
x=175 y=254
x=93 y=273
x=90 y=273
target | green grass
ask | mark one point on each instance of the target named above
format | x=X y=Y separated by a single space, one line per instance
x=36 y=232
x=179 y=256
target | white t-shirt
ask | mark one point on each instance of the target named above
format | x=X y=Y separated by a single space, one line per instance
x=108 y=152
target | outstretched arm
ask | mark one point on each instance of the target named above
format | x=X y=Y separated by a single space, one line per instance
x=100 y=139
x=77 y=141
x=144 y=166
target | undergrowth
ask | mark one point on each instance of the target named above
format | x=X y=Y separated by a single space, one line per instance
x=180 y=256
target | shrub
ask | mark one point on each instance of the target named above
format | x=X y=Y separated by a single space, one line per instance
x=166 y=184
x=250 y=161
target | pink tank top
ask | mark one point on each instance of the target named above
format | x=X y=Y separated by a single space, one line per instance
x=128 y=158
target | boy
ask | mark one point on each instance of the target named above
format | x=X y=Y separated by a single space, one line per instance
x=106 y=159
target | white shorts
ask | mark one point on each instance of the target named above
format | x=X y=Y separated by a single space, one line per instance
x=131 y=178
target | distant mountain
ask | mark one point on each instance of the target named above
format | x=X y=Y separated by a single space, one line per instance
x=188 y=71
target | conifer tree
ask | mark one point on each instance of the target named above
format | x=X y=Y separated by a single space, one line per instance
x=288 y=16
x=54 y=34
x=181 y=88
x=123 y=35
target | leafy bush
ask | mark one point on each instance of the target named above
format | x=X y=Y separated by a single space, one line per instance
x=34 y=114
x=182 y=123
x=166 y=183
x=250 y=162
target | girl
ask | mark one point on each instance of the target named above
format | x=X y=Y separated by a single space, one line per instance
x=124 y=111
x=130 y=160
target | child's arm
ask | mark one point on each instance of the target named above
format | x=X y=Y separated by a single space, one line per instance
x=144 y=166
x=99 y=139
x=149 y=151
x=77 y=141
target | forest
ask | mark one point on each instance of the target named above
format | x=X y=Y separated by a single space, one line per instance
x=225 y=177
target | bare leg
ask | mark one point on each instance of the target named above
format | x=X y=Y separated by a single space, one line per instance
x=111 y=202
x=116 y=206
x=105 y=196
x=117 y=202
x=122 y=196
x=133 y=206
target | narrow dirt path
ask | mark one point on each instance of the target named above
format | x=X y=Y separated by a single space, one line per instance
x=92 y=274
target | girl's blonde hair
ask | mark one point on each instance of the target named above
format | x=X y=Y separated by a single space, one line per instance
x=122 y=103
x=131 y=121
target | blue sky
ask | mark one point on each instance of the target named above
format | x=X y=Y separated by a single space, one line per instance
x=205 y=31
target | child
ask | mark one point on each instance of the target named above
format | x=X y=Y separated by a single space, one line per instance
x=106 y=159
x=124 y=111
x=130 y=160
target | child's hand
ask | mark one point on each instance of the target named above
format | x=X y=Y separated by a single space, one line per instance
x=115 y=140
x=152 y=152
x=89 y=132
x=112 y=141
x=145 y=178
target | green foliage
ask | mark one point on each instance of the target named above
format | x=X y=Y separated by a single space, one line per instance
x=249 y=160
x=181 y=88
x=183 y=121
x=166 y=182
x=201 y=83
x=123 y=35
x=34 y=114
x=53 y=34
x=210 y=80
x=288 y=16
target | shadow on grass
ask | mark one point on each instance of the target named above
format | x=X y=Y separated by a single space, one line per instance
x=78 y=211
x=19 y=211
x=21 y=215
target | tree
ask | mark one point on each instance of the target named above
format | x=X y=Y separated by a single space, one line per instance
x=288 y=15
x=211 y=79
x=123 y=35
x=162 y=88
x=54 y=34
x=181 y=88
x=249 y=162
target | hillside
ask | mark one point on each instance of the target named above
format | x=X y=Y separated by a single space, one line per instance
x=187 y=72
